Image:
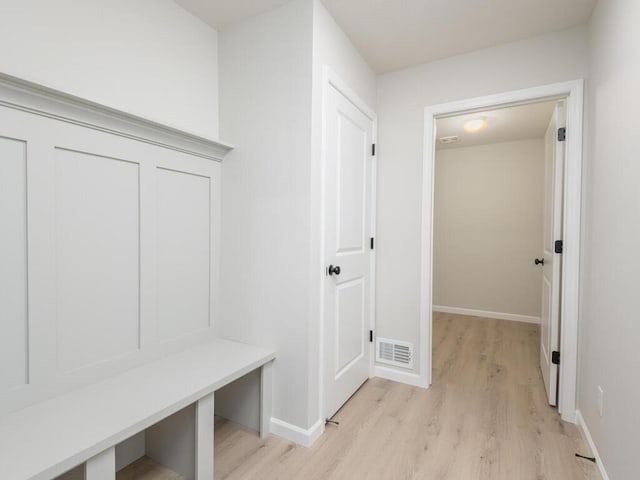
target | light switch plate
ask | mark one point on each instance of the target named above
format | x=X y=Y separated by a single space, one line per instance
x=600 y=400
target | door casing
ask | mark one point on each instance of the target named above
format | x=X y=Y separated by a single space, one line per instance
x=573 y=92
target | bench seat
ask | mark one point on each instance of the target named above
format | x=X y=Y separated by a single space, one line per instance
x=47 y=439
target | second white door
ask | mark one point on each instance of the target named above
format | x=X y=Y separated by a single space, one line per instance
x=553 y=199
x=347 y=188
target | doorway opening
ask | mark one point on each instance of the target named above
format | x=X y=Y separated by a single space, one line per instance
x=497 y=213
x=562 y=268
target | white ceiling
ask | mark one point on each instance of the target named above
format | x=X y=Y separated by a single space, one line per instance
x=219 y=13
x=503 y=125
x=394 y=34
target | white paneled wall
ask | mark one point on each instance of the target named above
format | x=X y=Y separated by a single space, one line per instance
x=109 y=247
x=184 y=260
x=97 y=240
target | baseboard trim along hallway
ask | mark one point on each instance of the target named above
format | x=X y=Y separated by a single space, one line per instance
x=295 y=434
x=516 y=317
x=399 y=376
x=587 y=436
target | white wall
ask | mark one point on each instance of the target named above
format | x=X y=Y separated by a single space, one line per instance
x=332 y=47
x=265 y=109
x=401 y=99
x=271 y=107
x=150 y=58
x=488 y=227
x=610 y=353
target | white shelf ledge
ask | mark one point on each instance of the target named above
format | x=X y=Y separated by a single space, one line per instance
x=30 y=97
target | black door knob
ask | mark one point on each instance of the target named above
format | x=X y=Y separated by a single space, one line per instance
x=539 y=261
x=334 y=270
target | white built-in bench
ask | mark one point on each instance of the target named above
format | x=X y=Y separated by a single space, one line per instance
x=172 y=399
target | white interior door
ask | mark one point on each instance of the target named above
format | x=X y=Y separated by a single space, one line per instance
x=553 y=198
x=347 y=225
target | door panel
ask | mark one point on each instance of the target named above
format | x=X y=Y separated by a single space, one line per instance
x=347 y=225
x=349 y=324
x=351 y=170
x=552 y=231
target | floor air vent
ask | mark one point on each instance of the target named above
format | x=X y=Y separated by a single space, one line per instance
x=394 y=352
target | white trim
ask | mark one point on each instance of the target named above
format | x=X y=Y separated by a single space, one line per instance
x=399 y=376
x=39 y=100
x=295 y=434
x=332 y=78
x=372 y=253
x=587 y=436
x=570 y=293
x=426 y=251
x=516 y=317
x=573 y=92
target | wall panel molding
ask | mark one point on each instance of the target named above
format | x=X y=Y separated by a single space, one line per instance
x=97 y=258
x=109 y=251
x=184 y=252
x=13 y=263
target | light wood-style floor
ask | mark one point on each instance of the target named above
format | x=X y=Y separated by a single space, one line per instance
x=485 y=417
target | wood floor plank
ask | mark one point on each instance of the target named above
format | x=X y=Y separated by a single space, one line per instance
x=484 y=418
x=147 y=469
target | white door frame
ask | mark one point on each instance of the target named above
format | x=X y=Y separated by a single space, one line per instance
x=331 y=79
x=573 y=92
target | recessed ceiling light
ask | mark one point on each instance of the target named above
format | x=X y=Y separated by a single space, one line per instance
x=475 y=125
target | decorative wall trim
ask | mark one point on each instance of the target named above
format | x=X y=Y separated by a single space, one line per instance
x=295 y=434
x=397 y=375
x=587 y=436
x=33 y=98
x=73 y=150
x=516 y=317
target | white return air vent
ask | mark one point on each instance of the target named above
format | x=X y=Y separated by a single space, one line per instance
x=394 y=352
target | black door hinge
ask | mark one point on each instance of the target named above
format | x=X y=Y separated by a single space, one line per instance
x=371 y=243
x=373 y=149
x=555 y=358
x=562 y=134
x=558 y=246
x=370 y=336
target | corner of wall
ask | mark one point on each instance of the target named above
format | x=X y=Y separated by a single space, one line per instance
x=265 y=98
x=293 y=433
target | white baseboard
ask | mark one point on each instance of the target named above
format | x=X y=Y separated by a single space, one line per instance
x=295 y=434
x=592 y=445
x=516 y=317
x=399 y=376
